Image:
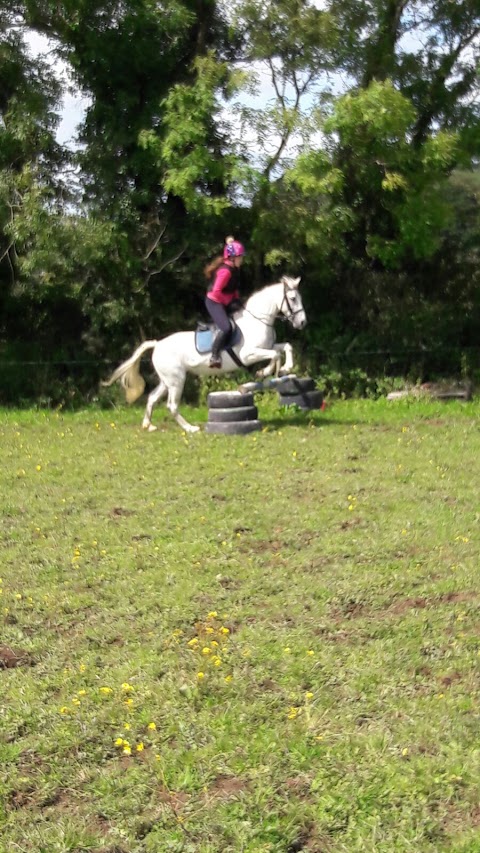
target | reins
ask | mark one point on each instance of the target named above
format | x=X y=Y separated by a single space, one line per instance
x=280 y=315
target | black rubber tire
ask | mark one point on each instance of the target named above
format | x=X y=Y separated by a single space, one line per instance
x=233 y=428
x=229 y=399
x=240 y=413
x=296 y=386
x=309 y=400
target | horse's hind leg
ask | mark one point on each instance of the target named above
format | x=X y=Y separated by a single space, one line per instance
x=153 y=398
x=173 y=402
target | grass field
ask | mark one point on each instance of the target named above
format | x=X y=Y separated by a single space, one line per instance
x=265 y=644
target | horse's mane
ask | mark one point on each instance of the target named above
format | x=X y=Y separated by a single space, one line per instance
x=256 y=293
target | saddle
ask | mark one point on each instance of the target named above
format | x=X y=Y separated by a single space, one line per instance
x=205 y=333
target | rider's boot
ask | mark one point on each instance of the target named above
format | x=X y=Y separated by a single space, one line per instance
x=219 y=342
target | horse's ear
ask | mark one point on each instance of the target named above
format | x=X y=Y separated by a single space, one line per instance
x=296 y=281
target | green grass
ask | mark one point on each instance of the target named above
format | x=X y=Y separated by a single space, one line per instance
x=329 y=565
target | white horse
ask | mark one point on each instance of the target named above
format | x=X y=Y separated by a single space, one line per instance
x=176 y=355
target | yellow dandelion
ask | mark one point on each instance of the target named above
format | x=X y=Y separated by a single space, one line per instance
x=228 y=678
x=206 y=651
x=212 y=615
x=64 y=709
x=106 y=691
x=82 y=692
x=200 y=675
x=127 y=727
x=140 y=746
x=119 y=741
x=127 y=688
x=152 y=727
x=310 y=652
x=127 y=750
x=224 y=630
x=128 y=702
x=193 y=642
x=308 y=695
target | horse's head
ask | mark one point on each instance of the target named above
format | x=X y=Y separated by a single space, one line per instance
x=292 y=305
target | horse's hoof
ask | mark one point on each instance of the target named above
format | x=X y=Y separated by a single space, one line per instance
x=149 y=427
x=194 y=429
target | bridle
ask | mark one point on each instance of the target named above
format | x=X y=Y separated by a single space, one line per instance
x=284 y=315
x=281 y=315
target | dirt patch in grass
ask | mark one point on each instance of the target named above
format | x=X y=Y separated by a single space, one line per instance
x=227 y=787
x=358 y=609
x=10 y=658
x=458 y=820
x=421 y=603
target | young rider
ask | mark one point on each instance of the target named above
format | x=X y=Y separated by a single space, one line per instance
x=222 y=291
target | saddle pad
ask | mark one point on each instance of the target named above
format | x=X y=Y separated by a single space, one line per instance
x=204 y=335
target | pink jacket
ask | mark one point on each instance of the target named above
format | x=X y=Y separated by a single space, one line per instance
x=217 y=292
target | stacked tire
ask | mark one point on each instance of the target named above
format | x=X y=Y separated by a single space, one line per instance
x=300 y=392
x=232 y=413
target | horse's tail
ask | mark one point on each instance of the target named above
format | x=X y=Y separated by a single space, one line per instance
x=129 y=374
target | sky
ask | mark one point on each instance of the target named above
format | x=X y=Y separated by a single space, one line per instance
x=73 y=106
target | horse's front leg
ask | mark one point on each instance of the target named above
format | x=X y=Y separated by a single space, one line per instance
x=273 y=356
x=286 y=350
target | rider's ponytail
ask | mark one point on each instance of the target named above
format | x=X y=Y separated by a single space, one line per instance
x=212 y=267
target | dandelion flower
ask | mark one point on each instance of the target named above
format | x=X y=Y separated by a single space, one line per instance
x=127 y=750
x=140 y=746
x=106 y=691
x=152 y=727
x=127 y=687
x=200 y=675
x=119 y=741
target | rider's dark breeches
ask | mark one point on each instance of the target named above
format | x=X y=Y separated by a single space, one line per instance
x=218 y=313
